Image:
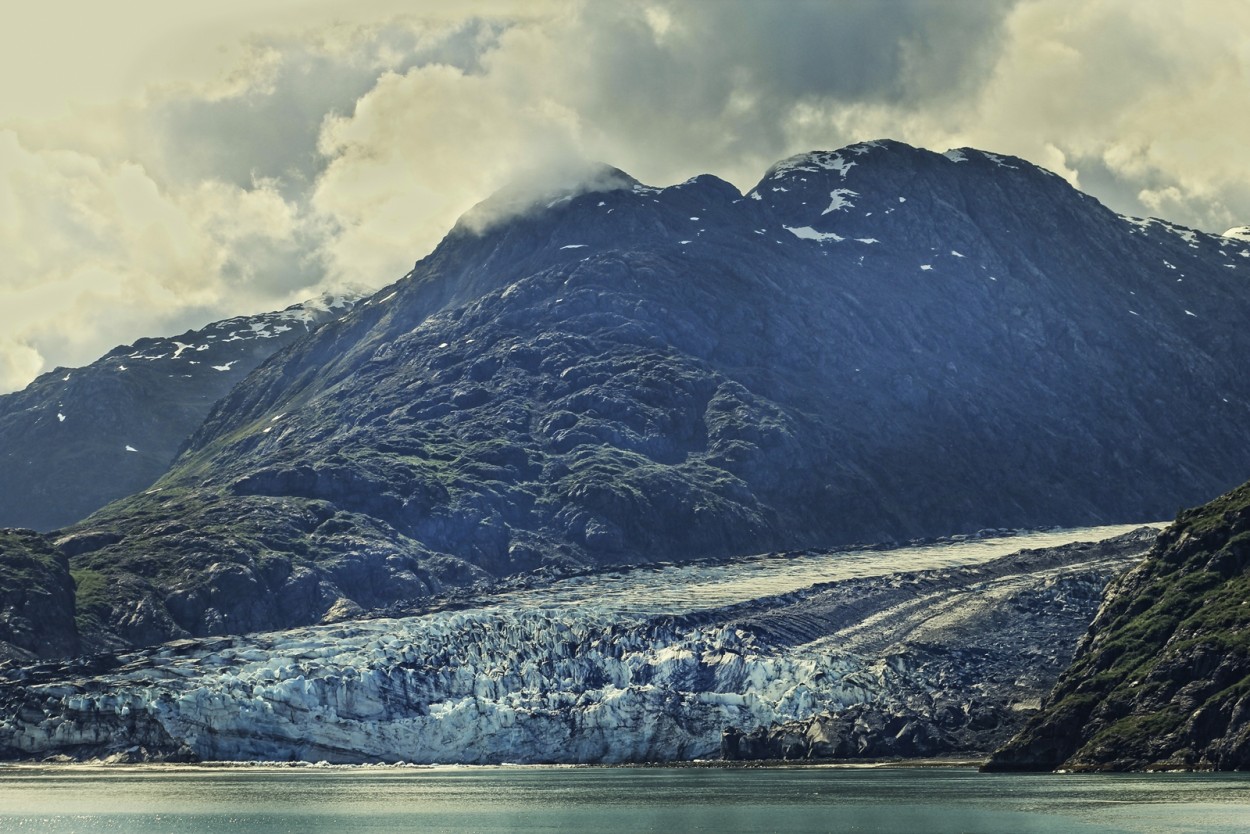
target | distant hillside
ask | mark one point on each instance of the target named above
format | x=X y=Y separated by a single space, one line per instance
x=77 y=438
x=1162 y=680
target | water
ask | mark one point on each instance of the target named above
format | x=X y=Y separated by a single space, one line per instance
x=543 y=799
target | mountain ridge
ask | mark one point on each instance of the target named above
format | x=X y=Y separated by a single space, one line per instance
x=77 y=438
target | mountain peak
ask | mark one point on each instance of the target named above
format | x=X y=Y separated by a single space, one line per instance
x=839 y=163
x=544 y=187
x=884 y=191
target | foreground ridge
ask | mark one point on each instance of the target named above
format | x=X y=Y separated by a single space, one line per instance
x=1162 y=679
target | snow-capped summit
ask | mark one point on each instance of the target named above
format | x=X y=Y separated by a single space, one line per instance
x=887 y=194
x=1238 y=233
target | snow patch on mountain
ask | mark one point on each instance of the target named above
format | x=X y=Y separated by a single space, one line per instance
x=999 y=161
x=1191 y=237
x=838 y=200
x=808 y=233
x=812 y=162
x=862 y=148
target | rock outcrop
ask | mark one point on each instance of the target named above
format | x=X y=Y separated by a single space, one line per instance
x=36 y=599
x=1162 y=679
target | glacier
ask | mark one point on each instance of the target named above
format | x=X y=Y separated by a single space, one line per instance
x=649 y=663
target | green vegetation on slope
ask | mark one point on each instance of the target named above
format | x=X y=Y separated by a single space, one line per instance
x=1163 y=679
x=36 y=598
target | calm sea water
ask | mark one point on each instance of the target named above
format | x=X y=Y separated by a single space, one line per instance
x=532 y=799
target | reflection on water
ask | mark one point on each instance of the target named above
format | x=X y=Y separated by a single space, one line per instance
x=367 y=800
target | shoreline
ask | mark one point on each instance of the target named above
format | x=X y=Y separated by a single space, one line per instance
x=697 y=764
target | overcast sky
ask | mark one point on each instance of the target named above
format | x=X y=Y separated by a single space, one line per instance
x=163 y=165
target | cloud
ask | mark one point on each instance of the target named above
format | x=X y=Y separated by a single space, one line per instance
x=266 y=124
x=528 y=191
x=340 y=148
x=19 y=363
x=195 y=204
x=87 y=247
x=663 y=91
x=1140 y=98
x=419 y=151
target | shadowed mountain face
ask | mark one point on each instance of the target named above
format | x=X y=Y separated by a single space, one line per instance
x=36 y=599
x=878 y=343
x=75 y=439
x=1162 y=679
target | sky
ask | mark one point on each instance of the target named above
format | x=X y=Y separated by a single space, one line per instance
x=164 y=165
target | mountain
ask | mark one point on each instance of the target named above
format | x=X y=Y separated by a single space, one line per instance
x=77 y=438
x=1162 y=679
x=873 y=344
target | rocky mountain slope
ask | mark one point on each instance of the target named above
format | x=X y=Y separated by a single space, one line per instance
x=77 y=438
x=934 y=649
x=873 y=344
x=967 y=653
x=1162 y=680
x=36 y=599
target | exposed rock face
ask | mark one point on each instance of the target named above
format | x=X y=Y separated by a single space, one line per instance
x=968 y=655
x=935 y=728
x=1162 y=680
x=647 y=664
x=875 y=344
x=36 y=599
x=77 y=438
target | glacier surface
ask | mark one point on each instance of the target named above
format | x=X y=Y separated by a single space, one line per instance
x=643 y=664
